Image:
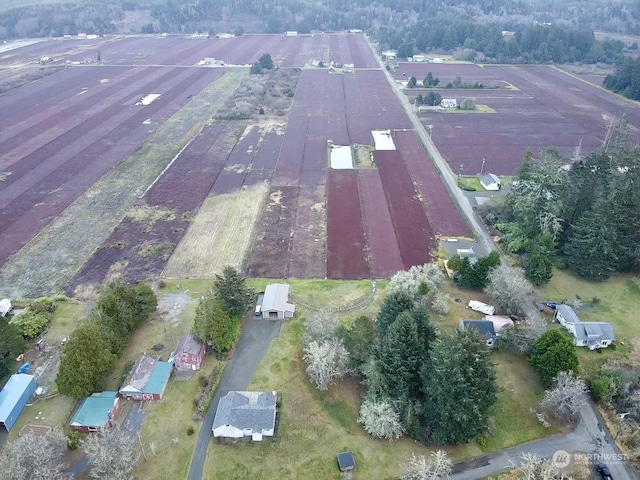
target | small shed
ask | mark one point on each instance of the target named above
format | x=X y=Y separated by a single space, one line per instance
x=346 y=461
x=147 y=380
x=97 y=412
x=189 y=354
x=275 y=302
x=5 y=307
x=14 y=397
x=490 y=182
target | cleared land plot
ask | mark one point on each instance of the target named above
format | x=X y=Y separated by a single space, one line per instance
x=442 y=212
x=414 y=234
x=548 y=108
x=219 y=235
x=346 y=244
x=446 y=72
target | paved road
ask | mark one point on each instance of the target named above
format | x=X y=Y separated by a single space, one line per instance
x=485 y=243
x=590 y=438
x=257 y=335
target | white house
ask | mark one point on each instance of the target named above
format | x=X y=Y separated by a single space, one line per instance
x=246 y=414
x=490 y=182
x=275 y=302
x=5 y=307
x=565 y=314
x=593 y=335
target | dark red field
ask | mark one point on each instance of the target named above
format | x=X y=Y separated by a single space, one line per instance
x=544 y=108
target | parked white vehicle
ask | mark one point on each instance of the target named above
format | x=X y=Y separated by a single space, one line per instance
x=481 y=307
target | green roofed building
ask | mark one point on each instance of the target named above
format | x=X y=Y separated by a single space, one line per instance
x=147 y=380
x=97 y=412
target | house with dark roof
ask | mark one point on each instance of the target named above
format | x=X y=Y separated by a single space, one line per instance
x=189 y=354
x=246 y=414
x=147 y=380
x=97 y=412
x=14 y=397
x=484 y=327
x=275 y=303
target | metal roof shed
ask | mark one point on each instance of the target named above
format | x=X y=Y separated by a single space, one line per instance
x=14 y=397
x=275 y=302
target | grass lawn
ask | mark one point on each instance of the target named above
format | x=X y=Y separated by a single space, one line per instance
x=164 y=436
x=616 y=301
x=470 y=184
x=315 y=426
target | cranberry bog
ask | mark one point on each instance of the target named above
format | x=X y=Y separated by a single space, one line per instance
x=536 y=107
x=102 y=179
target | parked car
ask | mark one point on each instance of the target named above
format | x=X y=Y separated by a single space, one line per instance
x=258 y=310
x=604 y=471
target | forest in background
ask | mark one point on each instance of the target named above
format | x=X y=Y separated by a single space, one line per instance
x=424 y=24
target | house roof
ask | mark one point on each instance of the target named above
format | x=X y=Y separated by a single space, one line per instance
x=484 y=327
x=594 y=331
x=567 y=313
x=275 y=298
x=346 y=460
x=489 y=179
x=13 y=391
x=188 y=344
x=499 y=321
x=255 y=411
x=94 y=410
x=147 y=376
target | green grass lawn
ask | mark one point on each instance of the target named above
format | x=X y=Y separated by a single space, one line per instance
x=315 y=426
x=616 y=301
x=470 y=184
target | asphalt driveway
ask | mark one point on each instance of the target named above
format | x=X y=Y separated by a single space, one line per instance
x=254 y=342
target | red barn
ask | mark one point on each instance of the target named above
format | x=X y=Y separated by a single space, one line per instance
x=189 y=354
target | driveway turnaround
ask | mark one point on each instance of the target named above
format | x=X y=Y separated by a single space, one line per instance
x=254 y=342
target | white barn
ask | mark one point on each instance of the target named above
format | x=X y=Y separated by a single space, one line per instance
x=490 y=182
x=275 y=303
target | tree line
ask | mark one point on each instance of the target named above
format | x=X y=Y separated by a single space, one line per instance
x=581 y=212
x=626 y=78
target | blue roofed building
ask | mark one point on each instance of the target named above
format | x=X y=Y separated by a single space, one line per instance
x=97 y=412
x=147 y=380
x=14 y=397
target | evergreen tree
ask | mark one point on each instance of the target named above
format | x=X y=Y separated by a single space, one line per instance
x=358 y=340
x=392 y=306
x=11 y=345
x=236 y=296
x=553 y=352
x=85 y=358
x=539 y=266
x=459 y=386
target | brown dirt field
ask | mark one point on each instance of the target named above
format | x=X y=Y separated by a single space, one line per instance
x=219 y=235
x=307 y=258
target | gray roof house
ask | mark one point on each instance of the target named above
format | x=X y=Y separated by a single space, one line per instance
x=485 y=328
x=275 y=302
x=490 y=182
x=565 y=314
x=246 y=414
x=593 y=335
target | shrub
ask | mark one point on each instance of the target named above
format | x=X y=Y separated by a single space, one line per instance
x=74 y=439
x=190 y=430
x=31 y=324
x=42 y=304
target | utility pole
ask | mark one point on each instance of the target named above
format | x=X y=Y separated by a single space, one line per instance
x=482 y=167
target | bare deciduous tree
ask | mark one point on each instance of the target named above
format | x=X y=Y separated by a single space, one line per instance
x=418 y=281
x=533 y=467
x=321 y=326
x=380 y=419
x=509 y=289
x=440 y=303
x=326 y=361
x=112 y=454
x=567 y=397
x=437 y=465
x=34 y=457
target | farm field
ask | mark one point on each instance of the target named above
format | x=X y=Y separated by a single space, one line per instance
x=536 y=107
